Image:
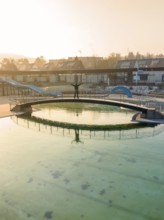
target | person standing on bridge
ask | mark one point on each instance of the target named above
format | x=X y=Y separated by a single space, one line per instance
x=76 y=87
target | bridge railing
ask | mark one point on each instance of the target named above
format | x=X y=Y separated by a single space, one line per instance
x=146 y=101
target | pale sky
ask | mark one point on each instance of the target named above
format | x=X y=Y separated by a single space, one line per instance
x=63 y=28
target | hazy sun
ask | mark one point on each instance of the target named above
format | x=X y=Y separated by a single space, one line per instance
x=28 y=28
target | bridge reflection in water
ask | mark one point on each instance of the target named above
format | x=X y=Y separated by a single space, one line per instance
x=80 y=133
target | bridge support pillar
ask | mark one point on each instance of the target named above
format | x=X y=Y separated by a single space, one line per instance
x=153 y=114
x=150 y=114
x=23 y=109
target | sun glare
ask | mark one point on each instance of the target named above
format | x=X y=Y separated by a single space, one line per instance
x=53 y=28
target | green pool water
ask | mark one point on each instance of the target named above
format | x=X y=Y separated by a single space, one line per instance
x=54 y=173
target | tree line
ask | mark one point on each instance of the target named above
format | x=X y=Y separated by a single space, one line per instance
x=108 y=62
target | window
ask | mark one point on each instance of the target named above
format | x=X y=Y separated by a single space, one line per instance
x=163 y=78
x=143 y=77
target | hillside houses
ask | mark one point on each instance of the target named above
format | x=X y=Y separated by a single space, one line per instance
x=96 y=70
x=71 y=63
x=75 y=63
x=139 y=63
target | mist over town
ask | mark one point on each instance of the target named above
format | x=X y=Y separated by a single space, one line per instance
x=81 y=110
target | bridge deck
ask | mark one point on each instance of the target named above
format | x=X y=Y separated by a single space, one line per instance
x=88 y=100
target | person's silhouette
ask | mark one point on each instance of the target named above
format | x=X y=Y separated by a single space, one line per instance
x=77 y=136
x=76 y=87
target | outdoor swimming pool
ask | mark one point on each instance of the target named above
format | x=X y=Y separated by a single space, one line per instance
x=52 y=172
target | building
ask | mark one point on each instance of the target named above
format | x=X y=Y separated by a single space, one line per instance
x=74 y=64
x=146 y=76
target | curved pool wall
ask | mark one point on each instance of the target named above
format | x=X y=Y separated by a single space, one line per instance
x=71 y=175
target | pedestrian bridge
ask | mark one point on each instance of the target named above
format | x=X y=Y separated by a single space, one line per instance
x=26 y=106
x=146 y=112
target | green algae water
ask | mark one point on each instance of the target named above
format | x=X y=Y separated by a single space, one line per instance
x=50 y=172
